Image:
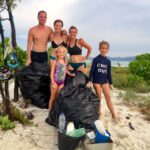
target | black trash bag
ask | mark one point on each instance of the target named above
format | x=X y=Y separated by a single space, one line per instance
x=78 y=103
x=79 y=79
x=53 y=116
x=66 y=142
x=34 y=83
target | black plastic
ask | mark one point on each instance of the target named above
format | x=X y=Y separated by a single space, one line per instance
x=34 y=83
x=66 y=142
x=78 y=103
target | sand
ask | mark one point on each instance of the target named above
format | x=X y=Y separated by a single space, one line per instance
x=41 y=136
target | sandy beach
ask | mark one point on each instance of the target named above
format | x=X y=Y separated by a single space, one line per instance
x=41 y=136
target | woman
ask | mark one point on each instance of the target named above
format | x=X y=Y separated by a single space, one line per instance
x=75 y=50
x=57 y=39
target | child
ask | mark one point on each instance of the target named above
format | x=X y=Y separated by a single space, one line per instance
x=100 y=75
x=58 y=74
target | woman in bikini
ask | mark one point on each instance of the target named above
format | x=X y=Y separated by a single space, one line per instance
x=77 y=61
x=57 y=39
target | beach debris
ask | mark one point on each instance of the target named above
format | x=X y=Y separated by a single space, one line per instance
x=29 y=115
x=2 y=113
x=130 y=125
x=127 y=117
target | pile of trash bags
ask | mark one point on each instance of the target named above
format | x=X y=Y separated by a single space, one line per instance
x=34 y=81
x=79 y=104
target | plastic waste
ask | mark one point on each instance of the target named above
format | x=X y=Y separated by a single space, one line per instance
x=12 y=62
x=62 y=122
x=34 y=81
x=70 y=127
x=76 y=133
x=91 y=136
x=79 y=104
x=100 y=138
x=5 y=73
x=100 y=127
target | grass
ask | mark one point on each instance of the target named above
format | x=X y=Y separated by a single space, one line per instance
x=135 y=87
x=139 y=101
x=17 y=115
x=124 y=80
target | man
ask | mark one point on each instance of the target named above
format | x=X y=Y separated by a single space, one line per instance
x=38 y=38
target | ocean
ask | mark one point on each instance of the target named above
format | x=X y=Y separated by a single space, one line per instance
x=114 y=63
x=120 y=63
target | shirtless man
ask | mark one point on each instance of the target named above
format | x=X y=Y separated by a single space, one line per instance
x=38 y=38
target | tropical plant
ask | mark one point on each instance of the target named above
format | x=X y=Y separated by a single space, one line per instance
x=5 y=123
x=141 y=66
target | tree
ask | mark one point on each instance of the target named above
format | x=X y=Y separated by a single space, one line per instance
x=9 y=5
x=6 y=99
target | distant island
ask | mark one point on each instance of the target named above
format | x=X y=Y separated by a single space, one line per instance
x=122 y=58
x=117 y=61
x=131 y=58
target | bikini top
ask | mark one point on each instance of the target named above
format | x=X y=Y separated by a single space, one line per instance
x=55 y=45
x=75 y=50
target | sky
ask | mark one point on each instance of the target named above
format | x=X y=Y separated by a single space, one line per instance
x=125 y=24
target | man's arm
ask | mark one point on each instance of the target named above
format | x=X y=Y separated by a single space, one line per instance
x=51 y=32
x=29 y=46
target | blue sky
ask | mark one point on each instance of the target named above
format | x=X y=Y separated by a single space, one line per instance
x=123 y=23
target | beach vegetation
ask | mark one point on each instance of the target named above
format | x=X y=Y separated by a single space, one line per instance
x=141 y=66
x=138 y=101
x=6 y=123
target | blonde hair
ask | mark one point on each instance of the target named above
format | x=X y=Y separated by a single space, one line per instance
x=62 y=47
x=103 y=42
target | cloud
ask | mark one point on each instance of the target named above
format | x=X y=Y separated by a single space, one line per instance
x=125 y=24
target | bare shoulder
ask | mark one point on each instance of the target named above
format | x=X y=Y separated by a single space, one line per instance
x=31 y=30
x=81 y=41
x=49 y=29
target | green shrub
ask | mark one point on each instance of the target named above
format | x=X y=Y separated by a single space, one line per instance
x=124 y=80
x=136 y=83
x=119 y=75
x=5 y=123
x=21 y=56
x=141 y=66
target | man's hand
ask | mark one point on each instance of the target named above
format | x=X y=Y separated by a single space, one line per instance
x=28 y=62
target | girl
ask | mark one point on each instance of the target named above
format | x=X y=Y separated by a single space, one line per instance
x=58 y=74
x=100 y=75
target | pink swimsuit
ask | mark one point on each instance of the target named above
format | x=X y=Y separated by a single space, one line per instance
x=60 y=73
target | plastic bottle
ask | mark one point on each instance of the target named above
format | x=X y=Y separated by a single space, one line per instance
x=91 y=135
x=62 y=122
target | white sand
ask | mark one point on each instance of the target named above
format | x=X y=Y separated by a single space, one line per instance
x=43 y=137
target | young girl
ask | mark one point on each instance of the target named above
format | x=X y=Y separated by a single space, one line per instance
x=100 y=75
x=58 y=74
